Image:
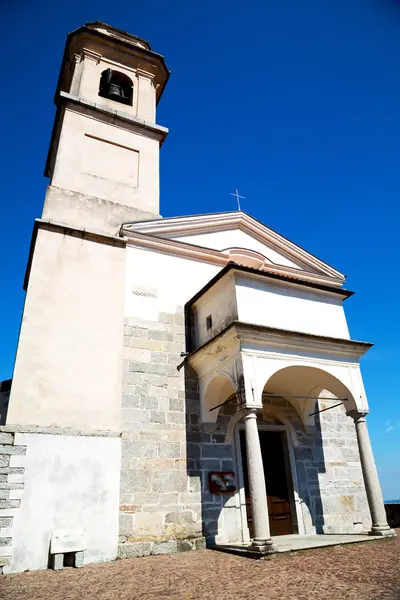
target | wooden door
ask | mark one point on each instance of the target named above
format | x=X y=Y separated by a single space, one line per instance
x=280 y=516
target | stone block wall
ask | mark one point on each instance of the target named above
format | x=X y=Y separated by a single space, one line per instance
x=160 y=502
x=210 y=450
x=341 y=486
x=11 y=488
x=327 y=464
x=331 y=489
x=167 y=454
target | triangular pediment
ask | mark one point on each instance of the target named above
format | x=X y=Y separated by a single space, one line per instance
x=240 y=238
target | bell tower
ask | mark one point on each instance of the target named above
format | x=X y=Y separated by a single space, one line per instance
x=103 y=165
x=103 y=161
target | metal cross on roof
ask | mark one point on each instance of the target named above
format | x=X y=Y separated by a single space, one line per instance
x=237 y=198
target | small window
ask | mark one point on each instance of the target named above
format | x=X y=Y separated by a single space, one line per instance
x=116 y=86
x=209 y=322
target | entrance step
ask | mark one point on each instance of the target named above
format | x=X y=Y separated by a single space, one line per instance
x=297 y=543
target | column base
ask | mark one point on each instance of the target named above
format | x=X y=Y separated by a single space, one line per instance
x=264 y=546
x=382 y=531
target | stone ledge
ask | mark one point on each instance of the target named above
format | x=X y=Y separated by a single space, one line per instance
x=117 y=114
x=59 y=431
x=6 y=438
x=137 y=549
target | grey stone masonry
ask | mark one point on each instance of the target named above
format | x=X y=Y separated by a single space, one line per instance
x=160 y=507
x=167 y=454
x=11 y=489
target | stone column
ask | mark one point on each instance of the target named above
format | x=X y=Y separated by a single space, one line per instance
x=370 y=475
x=262 y=541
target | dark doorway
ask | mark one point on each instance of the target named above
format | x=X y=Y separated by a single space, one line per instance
x=276 y=471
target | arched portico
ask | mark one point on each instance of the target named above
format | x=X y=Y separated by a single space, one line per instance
x=303 y=384
x=250 y=365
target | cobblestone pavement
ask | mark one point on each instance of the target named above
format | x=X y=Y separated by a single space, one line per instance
x=368 y=571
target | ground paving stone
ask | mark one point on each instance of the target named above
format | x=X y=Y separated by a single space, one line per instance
x=369 y=571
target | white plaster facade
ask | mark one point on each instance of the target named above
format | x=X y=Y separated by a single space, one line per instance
x=149 y=347
x=69 y=481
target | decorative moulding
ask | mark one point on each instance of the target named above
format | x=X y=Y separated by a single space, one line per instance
x=219 y=257
x=197 y=224
x=91 y=54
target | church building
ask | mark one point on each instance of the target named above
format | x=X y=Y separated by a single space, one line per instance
x=179 y=382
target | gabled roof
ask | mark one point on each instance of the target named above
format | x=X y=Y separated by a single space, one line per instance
x=174 y=227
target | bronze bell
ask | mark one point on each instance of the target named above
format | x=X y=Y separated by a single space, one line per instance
x=115 y=92
x=112 y=86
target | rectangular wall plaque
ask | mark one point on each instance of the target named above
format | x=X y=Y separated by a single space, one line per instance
x=105 y=159
x=221 y=483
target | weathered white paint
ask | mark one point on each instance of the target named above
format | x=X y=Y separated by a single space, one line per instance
x=264 y=301
x=220 y=304
x=235 y=238
x=71 y=482
x=130 y=178
x=290 y=306
x=68 y=367
x=67 y=540
x=158 y=282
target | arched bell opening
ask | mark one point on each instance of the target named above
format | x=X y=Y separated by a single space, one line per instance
x=116 y=86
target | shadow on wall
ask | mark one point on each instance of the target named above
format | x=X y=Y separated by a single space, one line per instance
x=310 y=464
x=5 y=388
x=209 y=450
x=206 y=451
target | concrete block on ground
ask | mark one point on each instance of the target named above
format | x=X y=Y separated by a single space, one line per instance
x=58 y=562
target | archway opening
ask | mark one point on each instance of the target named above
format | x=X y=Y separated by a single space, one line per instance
x=218 y=391
x=306 y=388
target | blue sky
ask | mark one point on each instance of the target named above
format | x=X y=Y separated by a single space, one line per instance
x=295 y=103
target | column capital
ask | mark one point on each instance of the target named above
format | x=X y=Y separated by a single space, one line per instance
x=249 y=412
x=358 y=416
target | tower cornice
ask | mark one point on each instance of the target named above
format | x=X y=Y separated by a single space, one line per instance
x=117 y=115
